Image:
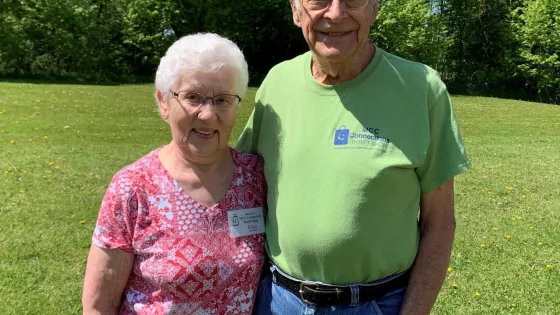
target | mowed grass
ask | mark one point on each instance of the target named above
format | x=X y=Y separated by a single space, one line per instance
x=61 y=144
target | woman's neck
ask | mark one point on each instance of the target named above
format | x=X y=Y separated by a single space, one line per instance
x=180 y=160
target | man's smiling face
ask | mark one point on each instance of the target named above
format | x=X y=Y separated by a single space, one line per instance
x=334 y=33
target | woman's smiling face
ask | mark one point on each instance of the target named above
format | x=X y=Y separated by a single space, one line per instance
x=200 y=131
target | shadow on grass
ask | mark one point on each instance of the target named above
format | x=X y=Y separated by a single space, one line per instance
x=519 y=95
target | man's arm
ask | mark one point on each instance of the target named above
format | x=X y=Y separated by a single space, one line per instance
x=437 y=229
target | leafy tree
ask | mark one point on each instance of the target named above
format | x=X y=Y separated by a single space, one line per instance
x=538 y=30
x=411 y=29
x=481 y=40
x=507 y=45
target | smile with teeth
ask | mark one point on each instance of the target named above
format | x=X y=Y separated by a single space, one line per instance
x=204 y=132
x=334 y=33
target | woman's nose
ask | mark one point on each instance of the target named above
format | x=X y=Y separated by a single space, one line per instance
x=207 y=110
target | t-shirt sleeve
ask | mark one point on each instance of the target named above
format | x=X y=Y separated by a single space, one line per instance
x=117 y=216
x=248 y=139
x=446 y=156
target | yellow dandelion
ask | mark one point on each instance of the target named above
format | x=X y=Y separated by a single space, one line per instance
x=449 y=269
x=46 y=137
x=12 y=142
x=512 y=218
x=44 y=177
x=6 y=172
x=523 y=196
x=50 y=163
x=483 y=245
x=57 y=167
x=539 y=244
x=518 y=217
x=513 y=305
x=509 y=188
x=22 y=190
x=494 y=228
x=477 y=293
x=82 y=222
x=454 y=285
x=508 y=236
x=548 y=266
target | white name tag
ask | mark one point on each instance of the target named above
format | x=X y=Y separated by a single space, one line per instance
x=245 y=222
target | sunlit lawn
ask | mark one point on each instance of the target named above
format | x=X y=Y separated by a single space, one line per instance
x=61 y=144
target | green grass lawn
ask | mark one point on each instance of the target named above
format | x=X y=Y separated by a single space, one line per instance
x=61 y=144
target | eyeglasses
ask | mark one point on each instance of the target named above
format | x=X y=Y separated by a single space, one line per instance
x=220 y=102
x=321 y=4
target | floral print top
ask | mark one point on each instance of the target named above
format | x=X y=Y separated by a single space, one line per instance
x=185 y=260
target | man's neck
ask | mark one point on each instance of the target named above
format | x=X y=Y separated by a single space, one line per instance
x=333 y=73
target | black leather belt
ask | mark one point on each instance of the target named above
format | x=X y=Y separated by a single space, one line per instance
x=318 y=294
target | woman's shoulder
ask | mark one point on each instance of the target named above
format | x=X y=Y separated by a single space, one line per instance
x=251 y=166
x=248 y=160
x=137 y=174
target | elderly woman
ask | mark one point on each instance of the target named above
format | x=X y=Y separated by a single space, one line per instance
x=180 y=230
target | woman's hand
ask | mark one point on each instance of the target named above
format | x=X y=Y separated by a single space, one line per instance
x=107 y=273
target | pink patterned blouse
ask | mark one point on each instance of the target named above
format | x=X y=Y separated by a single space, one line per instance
x=185 y=260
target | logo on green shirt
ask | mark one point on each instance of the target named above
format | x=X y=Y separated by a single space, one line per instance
x=341 y=136
x=366 y=138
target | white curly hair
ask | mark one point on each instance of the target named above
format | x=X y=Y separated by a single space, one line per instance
x=204 y=52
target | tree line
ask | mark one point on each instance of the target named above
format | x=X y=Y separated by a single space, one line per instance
x=477 y=46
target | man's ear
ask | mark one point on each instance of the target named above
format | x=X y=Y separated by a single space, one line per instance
x=162 y=105
x=295 y=13
x=374 y=12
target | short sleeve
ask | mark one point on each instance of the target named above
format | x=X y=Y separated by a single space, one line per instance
x=247 y=140
x=117 y=216
x=446 y=156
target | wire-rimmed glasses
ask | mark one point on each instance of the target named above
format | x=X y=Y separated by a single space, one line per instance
x=220 y=102
x=322 y=4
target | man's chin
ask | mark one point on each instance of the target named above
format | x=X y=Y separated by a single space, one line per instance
x=332 y=54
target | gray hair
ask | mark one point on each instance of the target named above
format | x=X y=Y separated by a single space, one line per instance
x=204 y=52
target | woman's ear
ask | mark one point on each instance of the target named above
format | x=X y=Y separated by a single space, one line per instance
x=162 y=105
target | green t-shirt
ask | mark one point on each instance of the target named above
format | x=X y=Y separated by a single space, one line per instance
x=346 y=165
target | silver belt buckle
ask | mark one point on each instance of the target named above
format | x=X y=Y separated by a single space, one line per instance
x=301 y=284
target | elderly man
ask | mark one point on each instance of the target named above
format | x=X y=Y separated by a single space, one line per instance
x=360 y=149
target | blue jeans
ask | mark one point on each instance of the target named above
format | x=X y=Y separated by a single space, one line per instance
x=274 y=299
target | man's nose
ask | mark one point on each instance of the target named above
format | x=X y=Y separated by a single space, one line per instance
x=336 y=11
